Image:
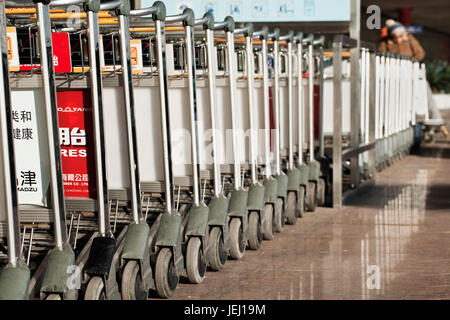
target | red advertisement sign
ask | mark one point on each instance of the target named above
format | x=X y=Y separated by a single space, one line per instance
x=77 y=144
x=61 y=52
x=62 y=60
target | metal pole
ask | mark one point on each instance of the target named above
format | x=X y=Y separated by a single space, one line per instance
x=276 y=104
x=232 y=79
x=130 y=118
x=355 y=97
x=213 y=107
x=337 y=125
x=51 y=110
x=321 y=137
x=7 y=143
x=311 y=102
x=266 y=108
x=250 y=80
x=163 y=93
x=190 y=56
x=301 y=102
x=97 y=117
x=290 y=105
x=373 y=114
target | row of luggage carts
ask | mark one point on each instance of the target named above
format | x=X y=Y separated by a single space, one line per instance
x=138 y=147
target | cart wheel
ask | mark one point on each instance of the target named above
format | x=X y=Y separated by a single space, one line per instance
x=132 y=282
x=428 y=136
x=237 y=243
x=291 y=208
x=270 y=223
x=254 y=227
x=166 y=280
x=218 y=253
x=301 y=202
x=53 y=296
x=95 y=289
x=195 y=261
x=311 y=197
x=321 y=192
x=279 y=215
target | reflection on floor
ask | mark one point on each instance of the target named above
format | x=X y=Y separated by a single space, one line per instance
x=391 y=243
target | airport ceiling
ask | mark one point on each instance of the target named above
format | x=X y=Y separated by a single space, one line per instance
x=433 y=14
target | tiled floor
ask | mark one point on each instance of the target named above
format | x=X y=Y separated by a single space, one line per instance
x=391 y=243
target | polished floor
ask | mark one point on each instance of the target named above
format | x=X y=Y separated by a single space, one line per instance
x=391 y=243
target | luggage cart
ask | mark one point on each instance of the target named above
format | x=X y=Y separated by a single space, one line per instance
x=132 y=251
x=15 y=275
x=324 y=182
x=208 y=119
x=287 y=135
x=262 y=118
x=52 y=273
x=96 y=258
x=168 y=247
x=195 y=244
x=134 y=242
x=255 y=202
x=237 y=209
x=302 y=166
x=279 y=174
x=316 y=186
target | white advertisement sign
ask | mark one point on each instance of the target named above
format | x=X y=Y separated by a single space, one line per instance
x=29 y=132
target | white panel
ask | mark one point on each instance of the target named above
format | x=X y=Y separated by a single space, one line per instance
x=116 y=138
x=180 y=123
x=284 y=117
x=328 y=103
x=149 y=134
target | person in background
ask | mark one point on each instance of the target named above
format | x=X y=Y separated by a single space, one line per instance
x=399 y=41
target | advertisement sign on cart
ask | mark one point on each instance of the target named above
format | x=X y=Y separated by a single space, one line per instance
x=75 y=132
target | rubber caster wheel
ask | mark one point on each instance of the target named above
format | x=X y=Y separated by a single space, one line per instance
x=195 y=261
x=237 y=243
x=291 y=208
x=321 y=192
x=95 y=289
x=218 y=253
x=166 y=279
x=301 y=202
x=278 y=215
x=254 y=228
x=53 y=296
x=270 y=222
x=311 y=197
x=132 y=282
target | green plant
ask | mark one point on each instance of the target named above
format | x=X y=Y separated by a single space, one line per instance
x=438 y=75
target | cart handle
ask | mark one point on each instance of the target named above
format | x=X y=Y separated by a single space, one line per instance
x=262 y=34
x=289 y=37
x=319 y=41
x=207 y=21
x=64 y=3
x=275 y=35
x=299 y=37
x=247 y=30
x=227 y=24
x=309 y=39
x=157 y=10
x=187 y=18
x=111 y=5
x=20 y=4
